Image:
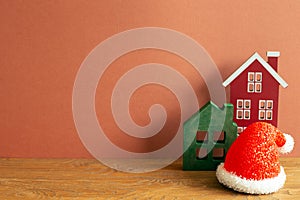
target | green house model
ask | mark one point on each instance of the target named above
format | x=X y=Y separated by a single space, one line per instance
x=208 y=134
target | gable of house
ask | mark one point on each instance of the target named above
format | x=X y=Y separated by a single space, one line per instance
x=263 y=63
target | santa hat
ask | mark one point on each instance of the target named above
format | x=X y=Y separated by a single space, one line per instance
x=252 y=162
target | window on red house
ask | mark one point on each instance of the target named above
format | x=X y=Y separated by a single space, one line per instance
x=254 y=82
x=239 y=114
x=240 y=104
x=269 y=104
x=269 y=114
x=251 y=87
x=265 y=110
x=257 y=87
x=262 y=114
x=243 y=109
x=258 y=77
x=251 y=77
x=247 y=104
x=262 y=104
x=246 y=114
x=241 y=129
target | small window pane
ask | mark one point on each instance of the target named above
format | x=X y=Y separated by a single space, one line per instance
x=258 y=87
x=270 y=104
x=251 y=76
x=262 y=104
x=239 y=114
x=258 y=77
x=201 y=136
x=247 y=104
x=250 y=87
x=239 y=103
x=218 y=153
x=269 y=114
x=247 y=114
x=219 y=137
x=261 y=114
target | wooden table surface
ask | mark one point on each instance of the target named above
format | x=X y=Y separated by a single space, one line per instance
x=88 y=179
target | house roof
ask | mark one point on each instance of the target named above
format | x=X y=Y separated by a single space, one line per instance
x=254 y=57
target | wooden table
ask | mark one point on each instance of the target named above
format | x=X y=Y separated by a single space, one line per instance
x=88 y=179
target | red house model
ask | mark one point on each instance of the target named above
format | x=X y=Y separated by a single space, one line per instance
x=254 y=89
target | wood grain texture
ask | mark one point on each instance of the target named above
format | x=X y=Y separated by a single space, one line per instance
x=88 y=179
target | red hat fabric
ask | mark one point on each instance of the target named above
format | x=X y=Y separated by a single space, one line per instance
x=252 y=162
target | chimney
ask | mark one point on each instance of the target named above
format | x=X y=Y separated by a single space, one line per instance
x=273 y=59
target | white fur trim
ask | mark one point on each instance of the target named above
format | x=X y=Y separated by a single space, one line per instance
x=288 y=146
x=265 y=186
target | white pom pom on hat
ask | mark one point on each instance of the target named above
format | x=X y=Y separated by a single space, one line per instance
x=288 y=146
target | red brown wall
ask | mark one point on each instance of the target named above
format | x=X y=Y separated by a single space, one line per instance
x=43 y=43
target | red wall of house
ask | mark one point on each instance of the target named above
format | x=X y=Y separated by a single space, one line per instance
x=270 y=89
